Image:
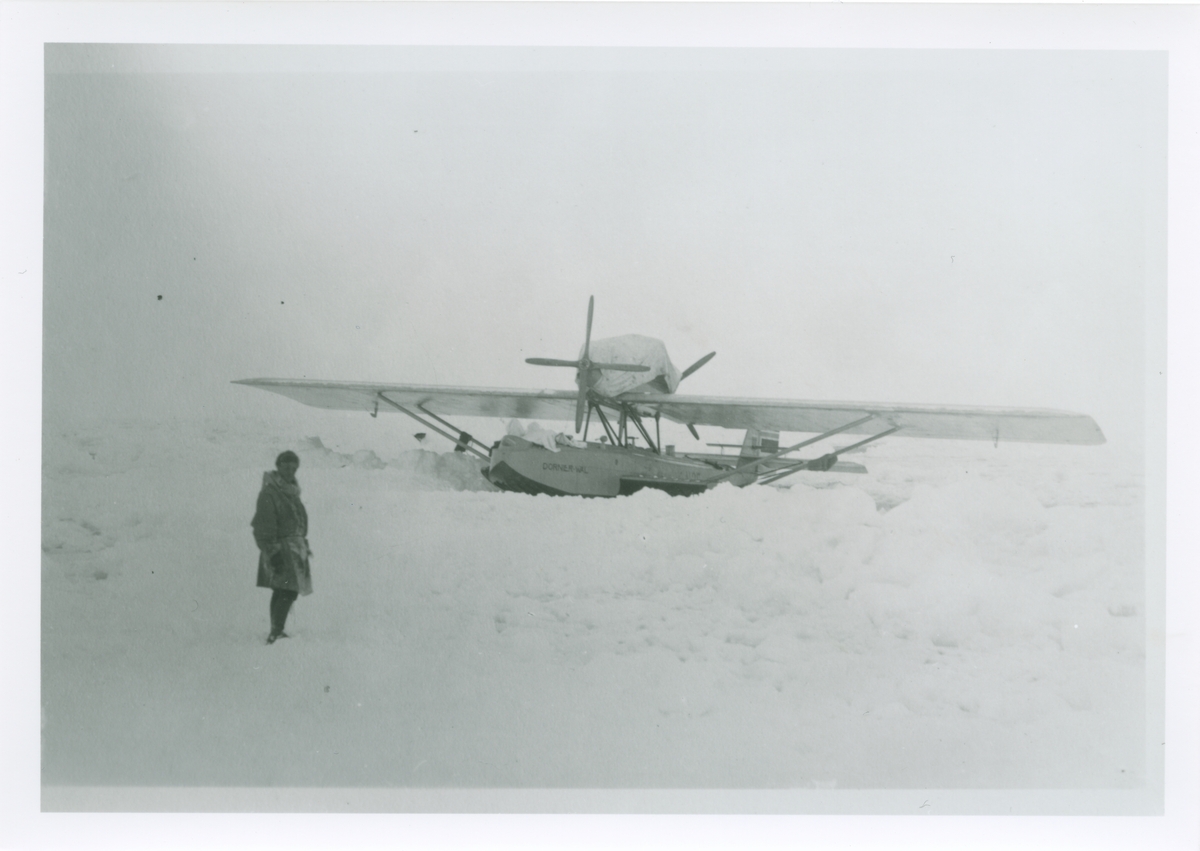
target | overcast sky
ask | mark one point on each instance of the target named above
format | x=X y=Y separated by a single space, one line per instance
x=958 y=227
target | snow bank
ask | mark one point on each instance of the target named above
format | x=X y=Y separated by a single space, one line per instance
x=973 y=624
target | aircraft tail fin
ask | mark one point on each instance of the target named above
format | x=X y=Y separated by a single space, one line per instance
x=758 y=442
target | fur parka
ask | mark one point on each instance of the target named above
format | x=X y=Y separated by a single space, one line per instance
x=280 y=529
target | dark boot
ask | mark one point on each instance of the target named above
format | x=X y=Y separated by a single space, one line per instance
x=281 y=604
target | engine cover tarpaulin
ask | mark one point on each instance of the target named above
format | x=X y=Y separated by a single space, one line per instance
x=663 y=377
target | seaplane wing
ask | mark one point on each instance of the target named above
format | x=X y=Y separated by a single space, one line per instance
x=1032 y=425
x=436 y=399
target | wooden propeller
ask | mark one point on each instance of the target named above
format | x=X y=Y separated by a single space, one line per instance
x=585 y=376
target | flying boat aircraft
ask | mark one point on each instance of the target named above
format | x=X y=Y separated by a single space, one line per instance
x=627 y=384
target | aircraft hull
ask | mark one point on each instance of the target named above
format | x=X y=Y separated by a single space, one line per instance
x=598 y=470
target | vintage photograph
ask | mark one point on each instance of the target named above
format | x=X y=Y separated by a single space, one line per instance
x=585 y=418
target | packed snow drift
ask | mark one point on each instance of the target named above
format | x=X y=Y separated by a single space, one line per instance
x=960 y=616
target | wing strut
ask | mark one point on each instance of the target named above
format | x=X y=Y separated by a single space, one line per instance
x=825 y=462
x=757 y=461
x=637 y=421
x=608 y=429
x=463 y=436
x=458 y=440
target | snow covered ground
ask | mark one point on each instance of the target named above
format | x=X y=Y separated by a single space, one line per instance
x=962 y=616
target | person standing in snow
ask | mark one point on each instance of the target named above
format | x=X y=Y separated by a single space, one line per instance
x=280 y=525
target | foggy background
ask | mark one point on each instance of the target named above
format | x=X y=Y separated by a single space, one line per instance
x=950 y=227
x=1111 y=27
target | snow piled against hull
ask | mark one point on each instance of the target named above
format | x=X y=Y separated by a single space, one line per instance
x=961 y=616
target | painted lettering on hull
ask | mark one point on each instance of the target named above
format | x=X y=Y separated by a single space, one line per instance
x=564 y=468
